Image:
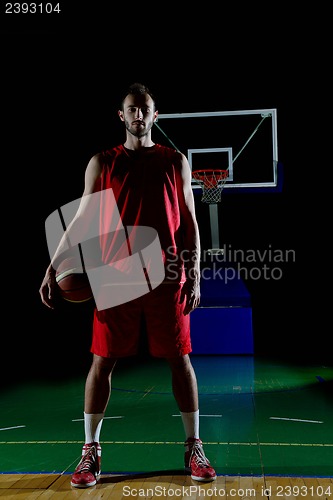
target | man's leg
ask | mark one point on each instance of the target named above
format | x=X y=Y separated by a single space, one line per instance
x=97 y=395
x=184 y=383
x=185 y=390
x=98 y=384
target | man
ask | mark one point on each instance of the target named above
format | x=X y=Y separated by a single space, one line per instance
x=152 y=187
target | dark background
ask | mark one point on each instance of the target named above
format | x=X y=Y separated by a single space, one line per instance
x=61 y=85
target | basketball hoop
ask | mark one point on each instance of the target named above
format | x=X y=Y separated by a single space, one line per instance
x=212 y=182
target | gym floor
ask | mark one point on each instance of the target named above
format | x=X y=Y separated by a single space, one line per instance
x=258 y=416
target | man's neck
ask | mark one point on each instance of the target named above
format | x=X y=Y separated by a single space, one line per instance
x=136 y=143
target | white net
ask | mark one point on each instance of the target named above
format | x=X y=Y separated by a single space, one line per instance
x=212 y=183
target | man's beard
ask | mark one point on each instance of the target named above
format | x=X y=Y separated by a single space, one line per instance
x=138 y=132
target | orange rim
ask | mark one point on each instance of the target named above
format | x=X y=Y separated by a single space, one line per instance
x=210 y=175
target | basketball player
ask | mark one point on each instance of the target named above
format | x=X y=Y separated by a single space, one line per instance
x=152 y=187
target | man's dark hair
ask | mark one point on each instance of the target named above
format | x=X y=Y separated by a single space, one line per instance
x=137 y=89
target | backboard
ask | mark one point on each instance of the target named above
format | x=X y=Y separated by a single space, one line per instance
x=244 y=142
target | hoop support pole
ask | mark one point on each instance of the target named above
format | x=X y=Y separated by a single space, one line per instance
x=214 y=227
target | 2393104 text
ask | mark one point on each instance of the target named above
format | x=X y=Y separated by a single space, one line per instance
x=32 y=8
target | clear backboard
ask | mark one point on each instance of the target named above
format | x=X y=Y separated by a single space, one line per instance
x=243 y=142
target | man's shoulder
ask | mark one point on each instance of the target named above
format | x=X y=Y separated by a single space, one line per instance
x=162 y=147
x=168 y=151
x=112 y=151
x=108 y=155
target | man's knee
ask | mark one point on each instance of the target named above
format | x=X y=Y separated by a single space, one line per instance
x=180 y=362
x=103 y=365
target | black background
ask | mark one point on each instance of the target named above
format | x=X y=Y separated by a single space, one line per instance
x=62 y=79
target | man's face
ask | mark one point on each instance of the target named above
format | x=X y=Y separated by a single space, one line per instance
x=138 y=114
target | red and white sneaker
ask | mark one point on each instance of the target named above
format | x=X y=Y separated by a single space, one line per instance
x=196 y=461
x=89 y=467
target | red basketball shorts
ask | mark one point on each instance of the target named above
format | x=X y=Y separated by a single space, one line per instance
x=117 y=330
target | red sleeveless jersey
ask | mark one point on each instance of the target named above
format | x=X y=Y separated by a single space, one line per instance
x=144 y=185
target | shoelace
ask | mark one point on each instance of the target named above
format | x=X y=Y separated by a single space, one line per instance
x=88 y=461
x=200 y=456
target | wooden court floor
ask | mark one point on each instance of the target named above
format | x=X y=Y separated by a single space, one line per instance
x=266 y=425
x=165 y=485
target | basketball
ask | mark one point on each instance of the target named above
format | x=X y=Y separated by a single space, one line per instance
x=73 y=282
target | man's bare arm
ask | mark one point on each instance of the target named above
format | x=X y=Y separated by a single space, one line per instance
x=190 y=234
x=75 y=230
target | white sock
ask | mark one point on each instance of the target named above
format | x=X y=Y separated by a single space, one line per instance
x=191 y=423
x=92 y=426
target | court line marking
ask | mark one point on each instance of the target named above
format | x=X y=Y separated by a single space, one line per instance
x=297 y=420
x=246 y=391
x=105 y=418
x=122 y=416
x=217 y=416
x=216 y=443
x=10 y=428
